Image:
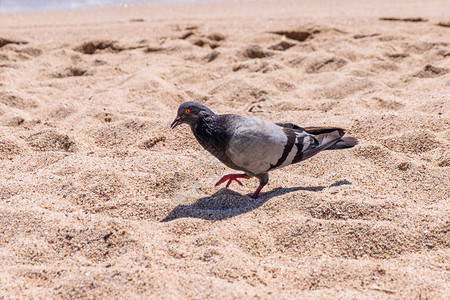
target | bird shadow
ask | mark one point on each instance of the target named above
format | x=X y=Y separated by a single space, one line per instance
x=227 y=203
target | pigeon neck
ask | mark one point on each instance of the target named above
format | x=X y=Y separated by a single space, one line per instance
x=203 y=121
x=201 y=118
x=206 y=113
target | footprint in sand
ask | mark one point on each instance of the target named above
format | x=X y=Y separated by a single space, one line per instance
x=72 y=72
x=350 y=239
x=92 y=47
x=327 y=65
x=412 y=142
x=51 y=141
x=294 y=35
x=397 y=55
x=16 y=101
x=413 y=20
x=9 y=149
x=382 y=104
x=4 y=42
x=211 y=56
x=120 y=133
x=186 y=35
x=255 y=51
x=200 y=42
x=430 y=71
x=34 y=52
x=344 y=210
x=363 y=36
x=152 y=142
x=282 y=46
x=213 y=40
x=444 y=24
x=61 y=112
x=257 y=66
x=216 y=37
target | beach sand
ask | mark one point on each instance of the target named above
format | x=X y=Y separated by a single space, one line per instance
x=100 y=199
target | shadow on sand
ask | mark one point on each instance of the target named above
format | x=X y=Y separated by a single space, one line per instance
x=227 y=203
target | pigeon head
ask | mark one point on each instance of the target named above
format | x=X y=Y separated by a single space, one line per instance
x=189 y=113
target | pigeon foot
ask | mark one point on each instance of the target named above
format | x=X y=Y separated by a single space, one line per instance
x=230 y=178
x=255 y=195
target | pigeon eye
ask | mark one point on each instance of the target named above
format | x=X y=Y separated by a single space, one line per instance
x=187 y=110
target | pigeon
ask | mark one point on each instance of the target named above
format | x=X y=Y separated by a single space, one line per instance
x=256 y=146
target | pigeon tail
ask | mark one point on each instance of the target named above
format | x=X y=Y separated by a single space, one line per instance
x=344 y=143
x=325 y=141
x=322 y=130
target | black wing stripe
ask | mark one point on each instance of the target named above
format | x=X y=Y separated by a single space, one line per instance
x=287 y=148
x=299 y=155
x=313 y=143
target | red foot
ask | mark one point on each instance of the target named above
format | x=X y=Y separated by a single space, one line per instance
x=256 y=193
x=230 y=178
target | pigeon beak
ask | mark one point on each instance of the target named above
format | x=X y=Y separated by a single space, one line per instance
x=175 y=122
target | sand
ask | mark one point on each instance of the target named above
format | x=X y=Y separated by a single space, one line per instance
x=99 y=198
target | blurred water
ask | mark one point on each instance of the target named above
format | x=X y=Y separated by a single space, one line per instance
x=32 y=5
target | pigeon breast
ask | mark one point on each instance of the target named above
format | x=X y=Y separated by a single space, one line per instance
x=213 y=135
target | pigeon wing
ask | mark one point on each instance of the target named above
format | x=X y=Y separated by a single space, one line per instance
x=308 y=141
x=256 y=145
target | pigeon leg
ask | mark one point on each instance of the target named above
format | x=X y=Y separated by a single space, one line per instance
x=256 y=193
x=230 y=178
x=263 y=180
